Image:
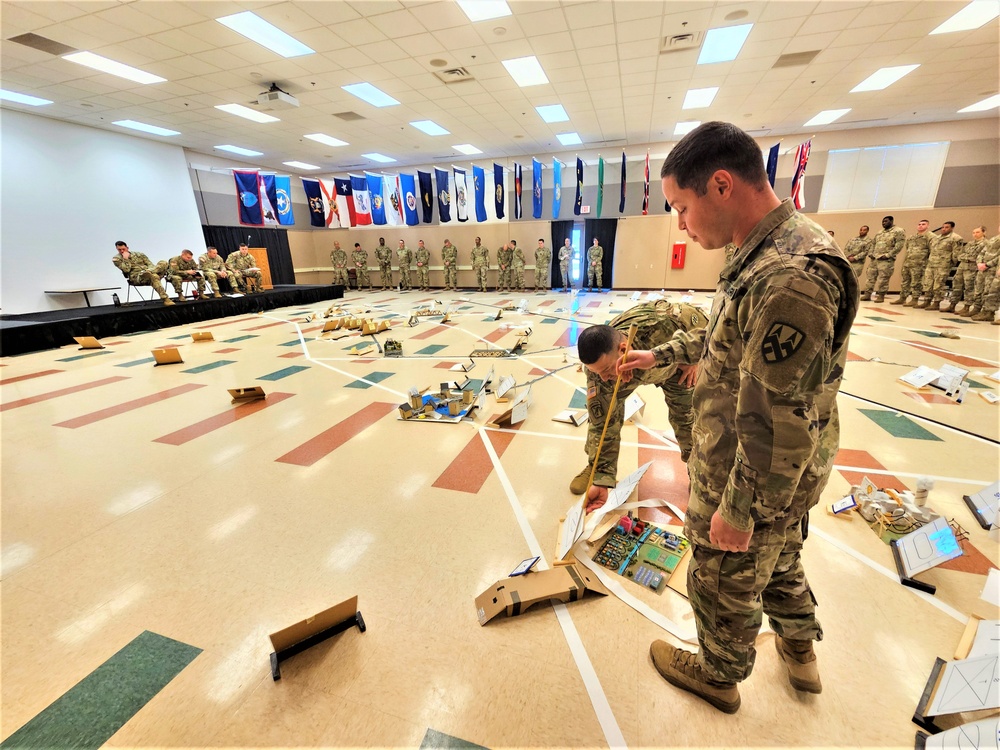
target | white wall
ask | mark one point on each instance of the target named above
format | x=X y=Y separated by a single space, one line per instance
x=69 y=192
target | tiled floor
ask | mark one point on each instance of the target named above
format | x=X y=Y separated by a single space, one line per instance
x=138 y=498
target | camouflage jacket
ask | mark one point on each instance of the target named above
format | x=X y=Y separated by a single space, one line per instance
x=338 y=258
x=216 y=264
x=858 y=248
x=565 y=253
x=240 y=262
x=360 y=258
x=888 y=243
x=449 y=255
x=518 y=260
x=595 y=254
x=771 y=363
x=383 y=255
x=480 y=257
x=968 y=252
x=404 y=256
x=178 y=264
x=504 y=257
x=918 y=246
x=989 y=253
x=422 y=257
x=543 y=257
x=136 y=263
x=944 y=249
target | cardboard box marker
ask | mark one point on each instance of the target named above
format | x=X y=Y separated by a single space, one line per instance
x=308 y=632
x=515 y=595
x=88 y=342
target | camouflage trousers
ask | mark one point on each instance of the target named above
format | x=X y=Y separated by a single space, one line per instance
x=503 y=279
x=543 y=277
x=518 y=274
x=212 y=277
x=363 y=278
x=151 y=278
x=404 y=277
x=680 y=414
x=423 y=277
x=564 y=270
x=481 y=273
x=879 y=272
x=242 y=277
x=177 y=282
x=858 y=268
x=912 y=276
x=963 y=286
x=595 y=271
x=983 y=279
x=340 y=276
x=385 y=273
x=934 y=278
x=451 y=277
x=991 y=296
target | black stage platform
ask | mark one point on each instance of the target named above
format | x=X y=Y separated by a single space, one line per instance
x=32 y=332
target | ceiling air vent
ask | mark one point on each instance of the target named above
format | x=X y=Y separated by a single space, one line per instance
x=454 y=75
x=795 y=58
x=681 y=42
x=349 y=116
x=42 y=44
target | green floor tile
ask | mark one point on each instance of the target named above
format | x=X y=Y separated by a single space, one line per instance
x=373 y=377
x=84 y=356
x=898 y=425
x=432 y=349
x=435 y=740
x=239 y=338
x=284 y=373
x=208 y=366
x=134 y=362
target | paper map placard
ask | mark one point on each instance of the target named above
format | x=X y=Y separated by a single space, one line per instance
x=967 y=685
x=928 y=546
x=977 y=735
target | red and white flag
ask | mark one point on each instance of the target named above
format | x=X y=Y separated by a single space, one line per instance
x=799 y=180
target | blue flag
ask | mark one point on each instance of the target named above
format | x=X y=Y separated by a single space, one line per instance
x=314 y=197
x=248 y=197
x=578 y=204
x=283 y=200
x=536 y=188
x=479 y=183
x=268 y=199
x=772 y=163
x=375 y=191
x=621 y=203
x=408 y=188
x=498 y=190
x=426 y=196
x=443 y=195
x=556 y=187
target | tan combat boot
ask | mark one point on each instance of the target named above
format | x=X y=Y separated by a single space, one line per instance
x=910 y=301
x=865 y=296
x=681 y=669
x=899 y=300
x=983 y=316
x=800 y=661
x=579 y=484
x=968 y=312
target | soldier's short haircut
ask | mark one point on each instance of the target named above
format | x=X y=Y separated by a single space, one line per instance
x=949 y=223
x=982 y=228
x=926 y=221
x=865 y=226
x=357 y=244
x=185 y=250
x=121 y=243
x=381 y=239
x=478 y=239
x=243 y=244
x=890 y=218
x=707 y=149
x=595 y=342
x=540 y=239
x=513 y=242
x=210 y=247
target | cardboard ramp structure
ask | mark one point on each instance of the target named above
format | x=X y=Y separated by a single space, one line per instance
x=308 y=632
x=514 y=595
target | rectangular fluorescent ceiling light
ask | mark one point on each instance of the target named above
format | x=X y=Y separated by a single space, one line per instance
x=325 y=139
x=724 y=44
x=683 y=128
x=374 y=96
x=430 y=127
x=698 y=98
x=985 y=104
x=105 y=65
x=13 y=96
x=240 y=151
x=382 y=158
x=251 y=114
x=552 y=113
x=483 y=10
x=145 y=128
x=569 y=139
x=256 y=29
x=299 y=165
x=827 y=116
x=467 y=148
x=972 y=16
x=526 y=71
x=883 y=78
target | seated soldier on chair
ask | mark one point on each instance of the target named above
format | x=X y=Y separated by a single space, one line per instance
x=213 y=267
x=139 y=270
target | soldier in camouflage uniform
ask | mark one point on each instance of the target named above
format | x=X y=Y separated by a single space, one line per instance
x=543 y=266
x=918 y=248
x=480 y=264
x=140 y=271
x=886 y=247
x=244 y=267
x=858 y=249
x=987 y=296
x=404 y=256
x=565 y=254
x=504 y=258
x=963 y=285
x=517 y=267
x=183 y=268
x=423 y=259
x=766 y=429
x=595 y=266
x=213 y=268
x=449 y=256
x=600 y=347
x=945 y=245
x=338 y=259
x=360 y=258
x=384 y=257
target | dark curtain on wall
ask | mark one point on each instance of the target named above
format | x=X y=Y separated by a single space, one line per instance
x=604 y=230
x=279 y=257
x=561 y=231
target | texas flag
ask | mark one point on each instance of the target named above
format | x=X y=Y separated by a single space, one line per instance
x=345 y=203
x=362 y=200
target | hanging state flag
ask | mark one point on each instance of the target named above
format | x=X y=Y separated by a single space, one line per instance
x=378 y=201
x=268 y=199
x=443 y=195
x=499 y=193
x=772 y=163
x=579 y=186
x=408 y=192
x=556 y=187
x=362 y=200
x=391 y=200
x=517 y=190
x=479 y=184
x=536 y=188
x=426 y=196
x=621 y=203
x=283 y=199
x=799 y=180
x=461 y=195
x=345 y=202
x=329 y=190
x=248 y=197
x=645 y=187
x=314 y=198
x=600 y=185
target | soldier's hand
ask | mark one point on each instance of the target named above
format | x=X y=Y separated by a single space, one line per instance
x=850 y=258
x=688 y=375
x=981 y=266
x=725 y=537
x=636 y=359
x=596 y=497
x=126 y=254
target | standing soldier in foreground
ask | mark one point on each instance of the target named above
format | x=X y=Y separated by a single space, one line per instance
x=449 y=255
x=945 y=245
x=963 y=285
x=986 y=265
x=360 y=259
x=857 y=249
x=423 y=259
x=887 y=245
x=480 y=264
x=918 y=248
x=504 y=257
x=517 y=266
x=543 y=266
x=384 y=257
x=404 y=256
x=595 y=266
x=565 y=255
x=338 y=259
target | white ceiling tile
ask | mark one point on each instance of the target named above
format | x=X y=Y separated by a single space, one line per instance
x=435 y=16
x=588 y=14
x=546 y=43
x=359 y=31
x=543 y=22
x=459 y=36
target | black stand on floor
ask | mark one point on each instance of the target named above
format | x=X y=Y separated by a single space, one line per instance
x=920 y=717
x=279 y=656
x=913 y=583
x=976 y=512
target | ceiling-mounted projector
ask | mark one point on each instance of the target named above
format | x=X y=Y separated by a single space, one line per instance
x=275 y=98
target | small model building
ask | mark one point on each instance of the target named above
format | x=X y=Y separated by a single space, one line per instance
x=393 y=348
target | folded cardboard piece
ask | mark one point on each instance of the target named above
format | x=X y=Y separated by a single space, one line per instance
x=308 y=632
x=202 y=336
x=514 y=595
x=167 y=356
x=245 y=395
x=88 y=342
